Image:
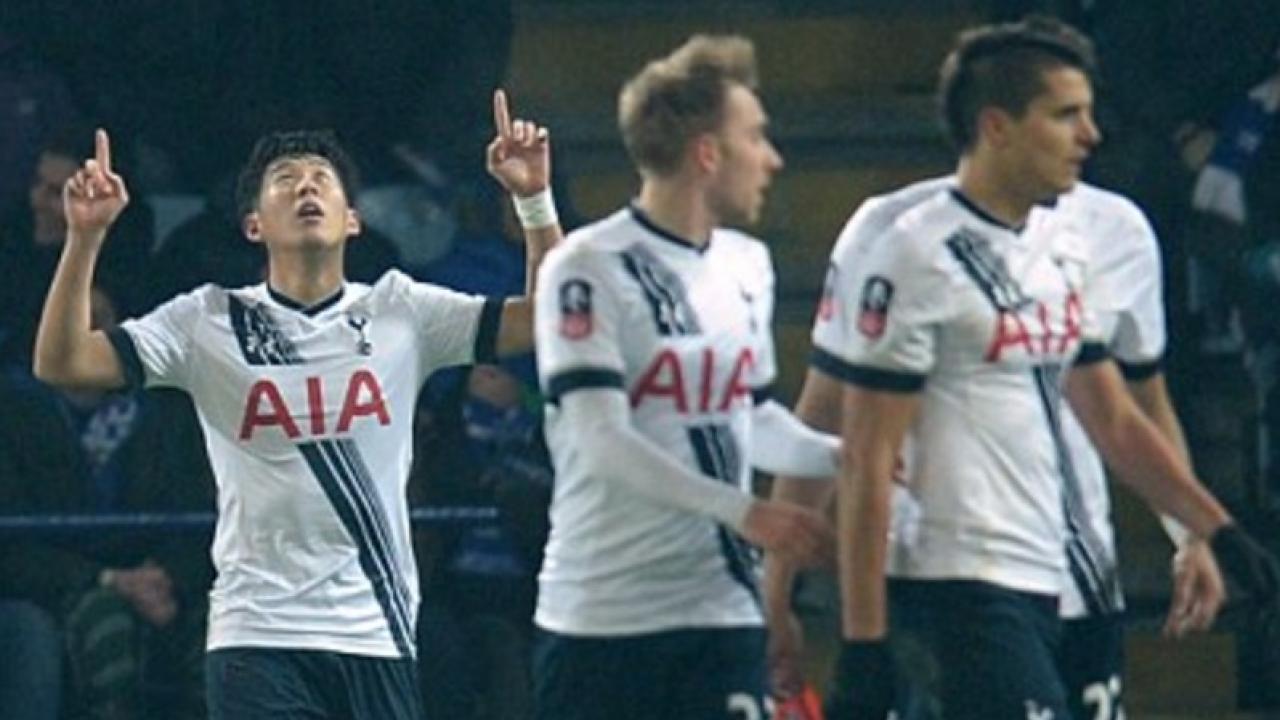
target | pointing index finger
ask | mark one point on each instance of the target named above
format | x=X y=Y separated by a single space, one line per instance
x=501 y=116
x=102 y=150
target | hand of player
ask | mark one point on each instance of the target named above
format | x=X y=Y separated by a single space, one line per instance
x=784 y=651
x=520 y=155
x=94 y=196
x=863 y=686
x=1247 y=563
x=798 y=534
x=149 y=590
x=1198 y=590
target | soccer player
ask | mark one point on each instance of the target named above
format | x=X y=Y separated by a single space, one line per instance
x=655 y=354
x=305 y=387
x=957 y=321
x=1126 y=295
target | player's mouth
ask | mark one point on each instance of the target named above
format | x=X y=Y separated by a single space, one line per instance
x=310 y=210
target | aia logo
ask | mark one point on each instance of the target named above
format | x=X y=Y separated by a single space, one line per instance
x=575 y=309
x=701 y=388
x=873 y=308
x=1037 y=331
x=265 y=407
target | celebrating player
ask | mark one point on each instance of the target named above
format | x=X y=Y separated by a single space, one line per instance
x=305 y=386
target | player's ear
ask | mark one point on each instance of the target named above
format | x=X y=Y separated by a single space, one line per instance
x=705 y=151
x=354 y=223
x=993 y=125
x=251 y=225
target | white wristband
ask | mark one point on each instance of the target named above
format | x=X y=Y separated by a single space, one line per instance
x=536 y=211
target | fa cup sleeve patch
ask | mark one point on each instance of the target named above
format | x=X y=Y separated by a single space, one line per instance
x=873 y=310
x=575 y=309
x=827 y=305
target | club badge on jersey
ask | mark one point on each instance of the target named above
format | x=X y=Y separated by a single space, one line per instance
x=873 y=310
x=575 y=309
x=359 y=323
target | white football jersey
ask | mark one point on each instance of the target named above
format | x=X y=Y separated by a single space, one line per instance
x=685 y=332
x=1126 y=296
x=308 y=418
x=926 y=293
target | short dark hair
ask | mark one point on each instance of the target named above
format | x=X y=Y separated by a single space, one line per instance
x=293 y=143
x=1003 y=66
x=678 y=97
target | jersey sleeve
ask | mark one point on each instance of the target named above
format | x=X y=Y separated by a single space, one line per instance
x=454 y=328
x=577 y=322
x=1139 y=337
x=883 y=301
x=155 y=350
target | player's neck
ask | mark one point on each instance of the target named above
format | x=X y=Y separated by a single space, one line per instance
x=983 y=185
x=678 y=209
x=303 y=280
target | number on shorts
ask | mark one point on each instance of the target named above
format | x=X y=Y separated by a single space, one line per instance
x=1104 y=698
x=743 y=706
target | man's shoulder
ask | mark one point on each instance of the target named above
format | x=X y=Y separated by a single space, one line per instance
x=590 y=246
x=912 y=219
x=1093 y=204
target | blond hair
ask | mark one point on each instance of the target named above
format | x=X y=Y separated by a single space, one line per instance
x=678 y=97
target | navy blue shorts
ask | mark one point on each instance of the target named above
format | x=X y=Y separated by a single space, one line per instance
x=275 y=684
x=994 y=648
x=702 y=674
x=1091 y=663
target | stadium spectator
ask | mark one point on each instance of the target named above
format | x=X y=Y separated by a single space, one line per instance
x=31 y=676
x=131 y=608
x=34 y=102
x=484 y=448
x=32 y=238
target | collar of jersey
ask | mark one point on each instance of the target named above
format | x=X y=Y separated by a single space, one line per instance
x=651 y=226
x=308 y=310
x=983 y=215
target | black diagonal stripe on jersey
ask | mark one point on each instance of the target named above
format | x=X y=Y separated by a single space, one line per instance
x=376 y=562
x=348 y=453
x=668 y=302
x=986 y=270
x=261 y=341
x=1086 y=552
x=719 y=457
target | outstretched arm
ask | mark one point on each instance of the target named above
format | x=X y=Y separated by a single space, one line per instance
x=600 y=421
x=520 y=159
x=68 y=351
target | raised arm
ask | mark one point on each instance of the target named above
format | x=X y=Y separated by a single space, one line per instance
x=520 y=159
x=68 y=351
